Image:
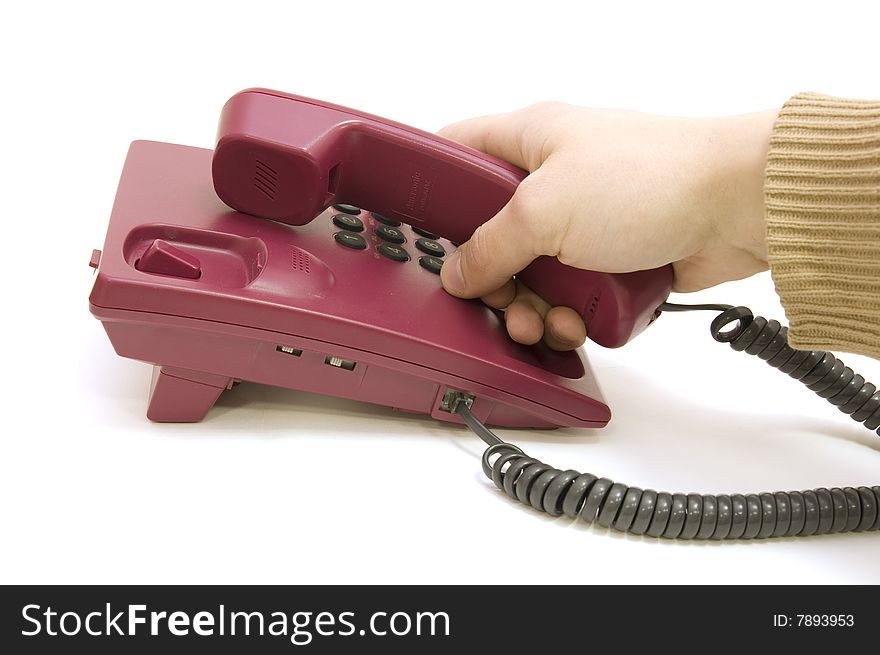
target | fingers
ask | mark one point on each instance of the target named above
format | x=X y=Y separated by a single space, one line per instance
x=497 y=135
x=519 y=137
x=525 y=228
x=564 y=329
x=529 y=224
x=501 y=298
x=524 y=324
x=529 y=319
x=524 y=316
x=486 y=262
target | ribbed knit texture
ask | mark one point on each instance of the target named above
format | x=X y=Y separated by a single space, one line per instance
x=822 y=193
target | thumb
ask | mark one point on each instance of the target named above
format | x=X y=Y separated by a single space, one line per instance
x=496 y=251
x=522 y=230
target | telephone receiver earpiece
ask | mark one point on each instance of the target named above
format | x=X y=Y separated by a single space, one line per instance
x=287 y=158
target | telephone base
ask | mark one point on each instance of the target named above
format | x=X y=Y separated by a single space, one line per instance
x=344 y=306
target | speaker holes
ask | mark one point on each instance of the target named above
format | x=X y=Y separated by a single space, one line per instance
x=265 y=179
x=289 y=350
x=300 y=260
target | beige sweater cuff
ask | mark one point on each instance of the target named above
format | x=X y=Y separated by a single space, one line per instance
x=822 y=193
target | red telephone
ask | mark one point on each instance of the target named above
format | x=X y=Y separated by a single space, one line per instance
x=339 y=294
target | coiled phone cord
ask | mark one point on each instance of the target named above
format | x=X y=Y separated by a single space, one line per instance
x=698 y=516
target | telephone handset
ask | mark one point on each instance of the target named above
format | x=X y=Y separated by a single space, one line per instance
x=288 y=158
x=340 y=295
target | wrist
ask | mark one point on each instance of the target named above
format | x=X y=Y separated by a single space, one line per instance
x=737 y=161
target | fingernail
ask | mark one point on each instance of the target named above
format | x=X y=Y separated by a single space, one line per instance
x=564 y=340
x=451 y=273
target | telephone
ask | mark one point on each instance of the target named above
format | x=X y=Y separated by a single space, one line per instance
x=339 y=293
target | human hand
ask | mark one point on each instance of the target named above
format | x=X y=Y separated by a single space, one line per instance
x=613 y=191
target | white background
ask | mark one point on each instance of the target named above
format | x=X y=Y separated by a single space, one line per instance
x=278 y=486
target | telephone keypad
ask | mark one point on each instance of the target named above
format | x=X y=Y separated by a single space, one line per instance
x=431 y=263
x=348 y=222
x=430 y=247
x=347 y=209
x=391 y=234
x=393 y=252
x=424 y=233
x=350 y=240
x=385 y=220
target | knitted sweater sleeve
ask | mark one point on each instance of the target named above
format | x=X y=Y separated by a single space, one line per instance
x=822 y=195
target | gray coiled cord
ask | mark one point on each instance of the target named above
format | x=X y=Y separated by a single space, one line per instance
x=819 y=370
x=697 y=516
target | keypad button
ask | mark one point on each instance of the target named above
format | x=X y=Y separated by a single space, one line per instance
x=347 y=222
x=394 y=252
x=385 y=220
x=350 y=240
x=388 y=233
x=348 y=209
x=430 y=247
x=433 y=264
x=424 y=233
